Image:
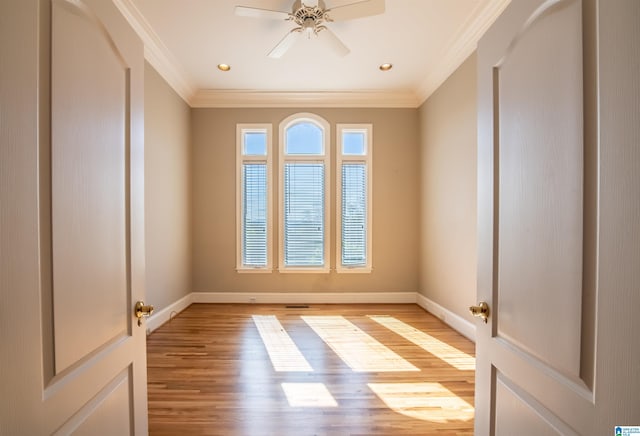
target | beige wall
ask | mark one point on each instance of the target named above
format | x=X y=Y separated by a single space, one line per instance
x=395 y=203
x=448 y=192
x=167 y=192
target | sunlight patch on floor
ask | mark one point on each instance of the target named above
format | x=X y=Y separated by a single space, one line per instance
x=308 y=395
x=356 y=348
x=454 y=357
x=283 y=352
x=425 y=401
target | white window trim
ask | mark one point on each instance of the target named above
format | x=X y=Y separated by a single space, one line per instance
x=241 y=158
x=326 y=159
x=367 y=159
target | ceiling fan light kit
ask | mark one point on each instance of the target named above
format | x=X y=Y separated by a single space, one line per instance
x=310 y=17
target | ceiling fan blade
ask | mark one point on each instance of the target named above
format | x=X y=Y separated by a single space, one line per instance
x=333 y=41
x=363 y=8
x=285 y=44
x=245 y=11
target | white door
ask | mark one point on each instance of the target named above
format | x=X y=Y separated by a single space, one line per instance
x=73 y=357
x=559 y=219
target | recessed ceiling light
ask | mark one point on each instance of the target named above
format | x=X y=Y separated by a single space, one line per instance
x=224 y=67
x=386 y=67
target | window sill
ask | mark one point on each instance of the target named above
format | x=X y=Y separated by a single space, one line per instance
x=355 y=270
x=304 y=270
x=257 y=270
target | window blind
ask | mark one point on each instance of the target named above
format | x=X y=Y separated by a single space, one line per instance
x=304 y=214
x=354 y=214
x=254 y=214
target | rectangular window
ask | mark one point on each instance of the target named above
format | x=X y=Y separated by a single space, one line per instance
x=354 y=197
x=354 y=214
x=304 y=214
x=254 y=197
x=254 y=215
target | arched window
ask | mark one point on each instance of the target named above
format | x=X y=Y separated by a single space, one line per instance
x=304 y=193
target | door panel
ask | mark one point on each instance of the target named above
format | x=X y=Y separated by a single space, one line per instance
x=531 y=376
x=515 y=414
x=89 y=182
x=73 y=358
x=539 y=164
x=109 y=409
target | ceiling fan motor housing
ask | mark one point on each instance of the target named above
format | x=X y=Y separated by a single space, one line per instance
x=308 y=17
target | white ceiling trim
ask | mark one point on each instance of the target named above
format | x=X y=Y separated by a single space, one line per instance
x=463 y=45
x=156 y=53
x=286 y=99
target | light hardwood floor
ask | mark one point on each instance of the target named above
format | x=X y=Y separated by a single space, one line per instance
x=370 y=369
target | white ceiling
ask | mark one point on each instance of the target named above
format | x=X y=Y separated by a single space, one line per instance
x=426 y=40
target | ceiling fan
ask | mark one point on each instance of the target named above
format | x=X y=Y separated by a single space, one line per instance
x=310 y=17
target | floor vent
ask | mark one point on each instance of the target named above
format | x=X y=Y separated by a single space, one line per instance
x=297 y=306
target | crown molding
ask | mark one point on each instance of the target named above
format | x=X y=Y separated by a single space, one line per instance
x=155 y=52
x=159 y=56
x=211 y=98
x=462 y=47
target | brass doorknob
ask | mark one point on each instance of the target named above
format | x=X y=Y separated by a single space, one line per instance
x=141 y=310
x=481 y=310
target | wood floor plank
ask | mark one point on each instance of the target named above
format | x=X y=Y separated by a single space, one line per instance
x=210 y=373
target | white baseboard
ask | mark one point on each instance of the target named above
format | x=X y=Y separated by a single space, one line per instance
x=456 y=322
x=305 y=297
x=163 y=315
